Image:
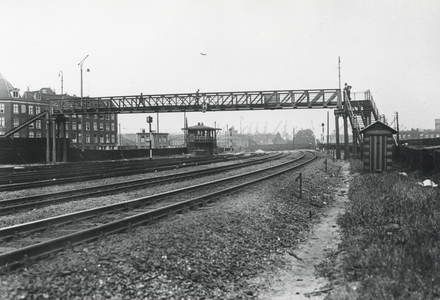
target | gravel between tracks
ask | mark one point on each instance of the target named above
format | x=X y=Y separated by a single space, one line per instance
x=88 y=203
x=217 y=252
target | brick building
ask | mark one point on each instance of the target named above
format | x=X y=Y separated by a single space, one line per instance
x=95 y=131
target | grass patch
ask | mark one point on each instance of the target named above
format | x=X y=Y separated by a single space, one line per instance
x=391 y=234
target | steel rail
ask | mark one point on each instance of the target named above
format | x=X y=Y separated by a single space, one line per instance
x=85 y=177
x=8 y=232
x=30 y=174
x=16 y=257
x=37 y=201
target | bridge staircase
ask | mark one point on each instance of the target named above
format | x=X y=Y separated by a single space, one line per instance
x=25 y=124
x=362 y=112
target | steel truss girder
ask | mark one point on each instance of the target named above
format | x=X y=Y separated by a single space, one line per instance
x=217 y=101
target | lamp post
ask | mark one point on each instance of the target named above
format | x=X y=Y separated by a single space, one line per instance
x=81 y=63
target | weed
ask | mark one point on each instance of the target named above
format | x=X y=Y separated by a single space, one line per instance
x=391 y=232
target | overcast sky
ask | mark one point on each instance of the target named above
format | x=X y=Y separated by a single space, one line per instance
x=389 y=47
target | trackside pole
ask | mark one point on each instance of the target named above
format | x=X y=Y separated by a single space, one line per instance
x=299 y=178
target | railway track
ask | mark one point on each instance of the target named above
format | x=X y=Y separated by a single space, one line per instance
x=36 y=201
x=30 y=177
x=35 y=239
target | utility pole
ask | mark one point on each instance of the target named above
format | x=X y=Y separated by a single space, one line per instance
x=397 y=127
x=328 y=132
x=149 y=121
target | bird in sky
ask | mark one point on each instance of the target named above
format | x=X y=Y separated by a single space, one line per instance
x=202 y=53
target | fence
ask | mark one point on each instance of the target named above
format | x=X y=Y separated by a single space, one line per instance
x=425 y=159
x=29 y=151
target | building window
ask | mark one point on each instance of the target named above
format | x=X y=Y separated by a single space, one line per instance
x=88 y=138
x=113 y=126
x=37 y=110
x=16 y=135
x=31 y=110
x=79 y=123
x=74 y=140
x=31 y=134
x=95 y=138
x=95 y=126
x=101 y=117
x=38 y=134
x=101 y=138
x=101 y=126
x=73 y=125
x=79 y=137
x=107 y=127
x=16 y=109
x=23 y=108
x=95 y=116
x=2 y=121
x=112 y=116
x=31 y=126
x=38 y=124
x=2 y=108
x=16 y=122
x=88 y=127
x=113 y=139
x=107 y=117
x=15 y=94
x=107 y=138
x=67 y=134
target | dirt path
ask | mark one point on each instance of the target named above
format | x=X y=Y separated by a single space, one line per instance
x=298 y=281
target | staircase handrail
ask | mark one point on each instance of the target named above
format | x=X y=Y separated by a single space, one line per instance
x=370 y=98
x=23 y=125
x=353 y=121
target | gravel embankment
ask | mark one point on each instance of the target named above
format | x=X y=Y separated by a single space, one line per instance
x=217 y=252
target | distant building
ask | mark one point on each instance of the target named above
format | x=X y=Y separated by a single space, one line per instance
x=95 y=131
x=15 y=110
x=416 y=134
x=158 y=140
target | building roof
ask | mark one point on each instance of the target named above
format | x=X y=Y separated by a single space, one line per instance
x=378 y=126
x=200 y=126
x=6 y=88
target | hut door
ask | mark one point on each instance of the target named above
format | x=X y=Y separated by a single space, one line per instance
x=378 y=148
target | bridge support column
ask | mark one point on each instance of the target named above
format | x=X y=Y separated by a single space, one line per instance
x=54 y=140
x=346 y=147
x=355 y=139
x=47 y=139
x=338 y=113
x=64 y=142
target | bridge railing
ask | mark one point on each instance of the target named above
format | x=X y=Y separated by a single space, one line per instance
x=216 y=101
